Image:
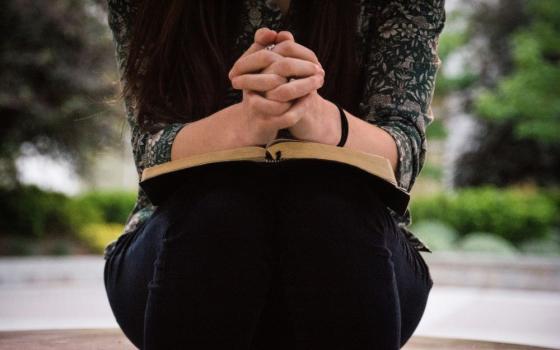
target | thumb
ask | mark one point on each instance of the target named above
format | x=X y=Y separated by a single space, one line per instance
x=265 y=36
x=283 y=36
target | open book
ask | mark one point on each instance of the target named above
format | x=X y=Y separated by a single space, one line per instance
x=158 y=182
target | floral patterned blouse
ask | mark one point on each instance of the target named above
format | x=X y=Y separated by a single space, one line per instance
x=398 y=41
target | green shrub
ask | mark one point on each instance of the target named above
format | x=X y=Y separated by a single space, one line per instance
x=23 y=210
x=540 y=247
x=436 y=234
x=78 y=213
x=513 y=214
x=115 y=206
x=553 y=194
x=32 y=212
x=59 y=247
x=549 y=245
x=97 y=236
x=20 y=246
x=30 y=215
x=486 y=242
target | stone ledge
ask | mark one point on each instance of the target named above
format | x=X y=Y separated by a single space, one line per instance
x=483 y=270
x=101 y=339
x=98 y=339
x=459 y=269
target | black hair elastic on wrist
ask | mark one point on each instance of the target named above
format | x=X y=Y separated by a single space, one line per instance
x=344 y=124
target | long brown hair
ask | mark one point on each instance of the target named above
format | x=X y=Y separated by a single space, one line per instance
x=181 y=51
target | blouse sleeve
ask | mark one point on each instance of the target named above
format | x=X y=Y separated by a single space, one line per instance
x=153 y=147
x=401 y=63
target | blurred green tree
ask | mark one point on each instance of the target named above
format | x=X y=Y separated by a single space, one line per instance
x=530 y=96
x=57 y=70
x=511 y=80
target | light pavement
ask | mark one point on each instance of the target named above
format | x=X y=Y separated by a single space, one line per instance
x=68 y=293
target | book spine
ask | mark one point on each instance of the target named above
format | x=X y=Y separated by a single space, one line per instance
x=269 y=158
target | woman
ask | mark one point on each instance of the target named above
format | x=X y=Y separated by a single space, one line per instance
x=261 y=257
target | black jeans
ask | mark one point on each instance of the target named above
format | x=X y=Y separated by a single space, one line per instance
x=269 y=256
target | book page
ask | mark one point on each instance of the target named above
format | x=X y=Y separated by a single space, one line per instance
x=371 y=163
x=240 y=153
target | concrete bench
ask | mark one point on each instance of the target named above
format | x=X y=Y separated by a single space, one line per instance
x=100 y=339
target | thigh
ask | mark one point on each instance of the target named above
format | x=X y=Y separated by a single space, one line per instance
x=275 y=328
x=413 y=279
x=128 y=270
x=212 y=274
x=336 y=270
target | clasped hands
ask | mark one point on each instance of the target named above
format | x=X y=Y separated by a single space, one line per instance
x=273 y=101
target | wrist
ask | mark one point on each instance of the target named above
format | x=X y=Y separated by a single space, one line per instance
x=322 y=125
x=245 y=130
x=332 y=126
x=239 y=134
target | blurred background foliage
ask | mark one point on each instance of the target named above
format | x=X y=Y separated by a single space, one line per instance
x=490 y=182
x=57 y=70
x=509 y=52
